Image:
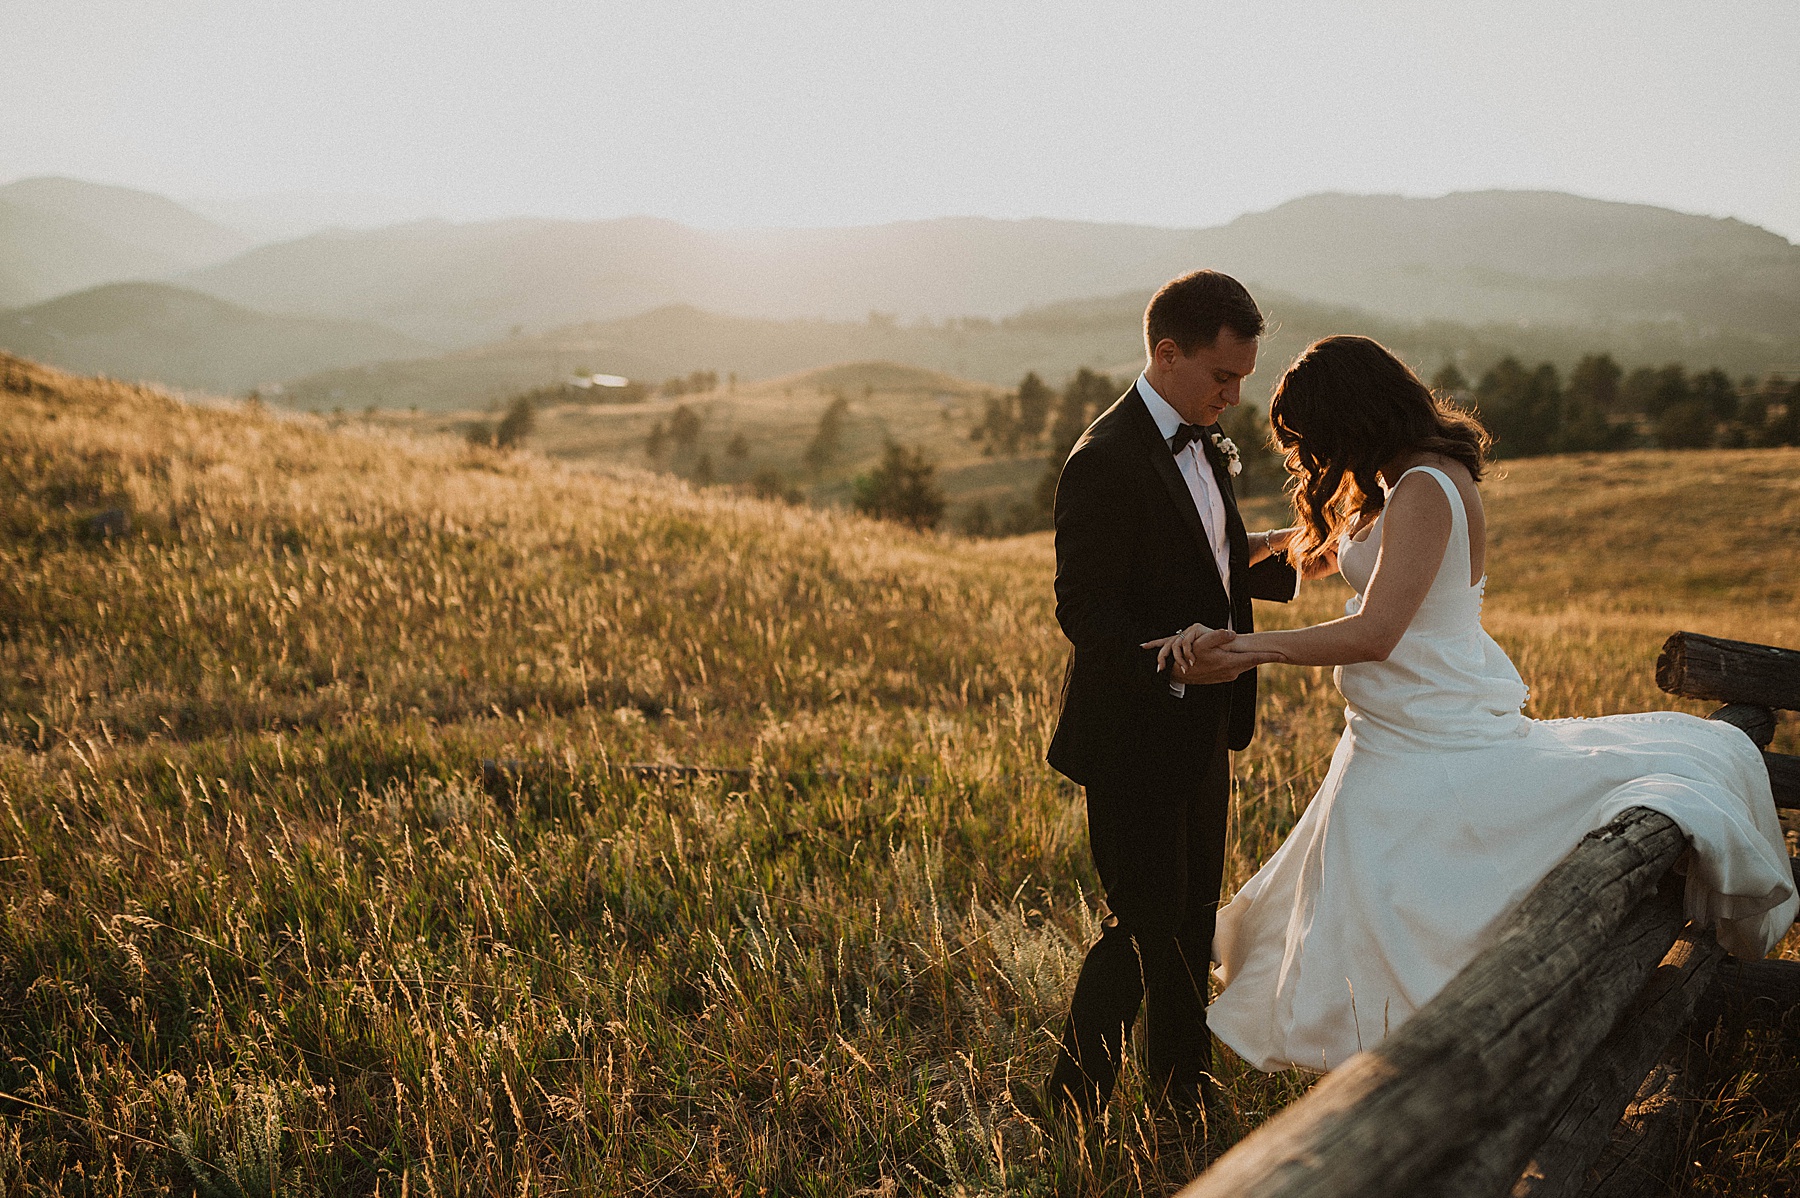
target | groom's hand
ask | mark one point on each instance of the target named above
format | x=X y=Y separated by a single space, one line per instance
x=1219 y=663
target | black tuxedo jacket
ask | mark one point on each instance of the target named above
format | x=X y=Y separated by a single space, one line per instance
x=1133 y=564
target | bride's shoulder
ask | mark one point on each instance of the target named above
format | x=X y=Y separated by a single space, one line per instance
x=1418 y=489
x=1417 y=478
x=1428 y=492
x=1443 y=464
x=1419 y=501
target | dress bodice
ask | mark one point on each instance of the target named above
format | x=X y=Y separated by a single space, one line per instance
x=1446 y=684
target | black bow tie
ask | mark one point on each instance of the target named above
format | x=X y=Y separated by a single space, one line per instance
x=1185 y=435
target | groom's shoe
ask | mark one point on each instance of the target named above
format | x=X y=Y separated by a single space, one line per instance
x=1053 y=1112
x=1196 y=1108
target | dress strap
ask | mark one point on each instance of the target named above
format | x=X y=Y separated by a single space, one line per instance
x=1459 y=515
x=1456 y=503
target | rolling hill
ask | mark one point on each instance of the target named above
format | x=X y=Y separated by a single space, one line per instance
x=44 y=254
x=61 y=235
x=185 y=339
x=1532 y=257
x=1103 y=334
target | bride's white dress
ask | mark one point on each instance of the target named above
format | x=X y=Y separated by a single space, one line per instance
x=1443 y=807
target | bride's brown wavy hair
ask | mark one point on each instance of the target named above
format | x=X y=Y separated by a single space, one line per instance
x=1345 y=408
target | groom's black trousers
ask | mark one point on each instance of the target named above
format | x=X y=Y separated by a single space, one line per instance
x=1159 y=847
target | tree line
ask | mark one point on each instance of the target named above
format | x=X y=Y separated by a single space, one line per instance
x=1530 y=411
x=1600 y=407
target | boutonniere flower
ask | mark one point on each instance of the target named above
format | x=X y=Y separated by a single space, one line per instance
x=1234 y=465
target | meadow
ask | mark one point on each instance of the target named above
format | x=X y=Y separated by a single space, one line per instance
x=774 y=420
x=267 y=928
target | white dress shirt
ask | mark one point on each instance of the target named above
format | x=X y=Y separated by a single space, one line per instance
x=1197 y=472
x=1202 y=484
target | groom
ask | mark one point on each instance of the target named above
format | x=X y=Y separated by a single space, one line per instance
x=1148 y=541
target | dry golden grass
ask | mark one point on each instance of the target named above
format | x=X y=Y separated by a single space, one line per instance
x=263 y=931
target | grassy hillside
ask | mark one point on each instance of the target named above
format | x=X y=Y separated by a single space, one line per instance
x=262 y=925
x=184 y=339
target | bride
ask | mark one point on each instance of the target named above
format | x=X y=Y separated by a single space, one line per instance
x=1443 y=805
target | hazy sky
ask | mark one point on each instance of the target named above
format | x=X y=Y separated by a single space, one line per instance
x=815 y=112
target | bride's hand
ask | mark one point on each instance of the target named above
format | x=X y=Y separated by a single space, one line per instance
x=1207 y=656
x=1181 y=648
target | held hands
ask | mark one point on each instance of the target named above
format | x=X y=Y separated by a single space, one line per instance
x=1203 y=656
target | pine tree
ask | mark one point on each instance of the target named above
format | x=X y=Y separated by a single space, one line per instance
x=1449 y=381
x=516 y=425
x=1033 y=404
x=684 y=427
x=902 y=488
x=823 y=449
x=1083 y=399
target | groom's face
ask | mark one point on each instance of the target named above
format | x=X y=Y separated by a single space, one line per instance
x=1201 y=385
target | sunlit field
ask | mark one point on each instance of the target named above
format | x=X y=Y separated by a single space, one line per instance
x=268 y=929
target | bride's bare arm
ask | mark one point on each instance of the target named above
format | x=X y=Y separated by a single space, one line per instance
x=1262 y=544
x=1415 y=531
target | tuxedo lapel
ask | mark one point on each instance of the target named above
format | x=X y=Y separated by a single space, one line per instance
x=1163 y=462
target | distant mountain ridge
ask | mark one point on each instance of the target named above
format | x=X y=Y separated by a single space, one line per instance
x=1509 y=255
x=152 y=331
x=1485 y=269
x=62 y=235
x=1537 y=257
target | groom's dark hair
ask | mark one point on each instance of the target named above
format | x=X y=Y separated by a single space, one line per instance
x=1191 y=310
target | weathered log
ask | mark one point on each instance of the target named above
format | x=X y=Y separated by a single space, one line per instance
x=1755 y=991
x=1645 y=1153
x=1493 y=1162
x=1707 y=667
x=1393 y=1117
x=1757 y=722
x=1641 y=1159
x=1784 y=779
x=1614 y=1075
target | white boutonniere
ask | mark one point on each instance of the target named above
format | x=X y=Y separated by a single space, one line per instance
x=1234 y=465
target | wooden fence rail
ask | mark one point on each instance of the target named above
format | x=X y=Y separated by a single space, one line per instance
x=1558 y=1062
x=1753 y=681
